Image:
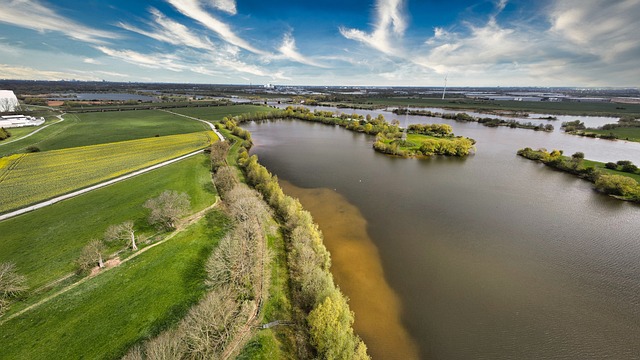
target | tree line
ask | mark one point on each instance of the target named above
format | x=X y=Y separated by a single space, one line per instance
x=623 y=187
x=323 y=318
x=486 y=121
x=236 y=280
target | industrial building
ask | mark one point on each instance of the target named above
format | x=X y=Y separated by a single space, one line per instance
x=13 y=121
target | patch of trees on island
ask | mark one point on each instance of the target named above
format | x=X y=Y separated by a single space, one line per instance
x=618 y=185
x=438 y=140
x=486 y=121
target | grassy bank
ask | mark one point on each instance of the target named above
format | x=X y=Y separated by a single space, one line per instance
x=44 y=243
x=102 y=317
x=622 y=133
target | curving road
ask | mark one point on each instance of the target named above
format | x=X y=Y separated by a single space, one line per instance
x=195 y=118
x=42 y=128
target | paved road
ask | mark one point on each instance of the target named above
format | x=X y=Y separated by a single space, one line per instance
x=109 y=182
x=94 y=187
x=204 y=121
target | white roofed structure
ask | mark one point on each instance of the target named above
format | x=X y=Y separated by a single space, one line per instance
x=8 y=101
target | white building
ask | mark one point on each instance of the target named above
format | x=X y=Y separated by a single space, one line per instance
x=13 y=121
x=8 y=101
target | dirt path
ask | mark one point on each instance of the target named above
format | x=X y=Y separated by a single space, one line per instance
x=115 y=262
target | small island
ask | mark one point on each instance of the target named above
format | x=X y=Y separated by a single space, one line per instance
x=619 y=179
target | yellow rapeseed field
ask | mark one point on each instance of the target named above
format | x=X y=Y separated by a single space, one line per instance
x=30 y=178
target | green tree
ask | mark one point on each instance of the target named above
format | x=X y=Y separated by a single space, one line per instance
x=330 y=328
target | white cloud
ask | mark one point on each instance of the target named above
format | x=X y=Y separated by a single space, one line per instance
x=194 y=10
x=228 y=6
x=155 y=61
x=91 y=61
x=169 y=31
x=288 y=50
x=31 y=14
x=29 y=73
x=607 y=29
x=390 y=26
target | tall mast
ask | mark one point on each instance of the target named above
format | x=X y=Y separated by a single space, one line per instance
x=445 y=86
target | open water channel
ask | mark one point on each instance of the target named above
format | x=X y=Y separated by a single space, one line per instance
x=488 y=257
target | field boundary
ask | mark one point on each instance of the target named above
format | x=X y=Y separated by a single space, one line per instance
x=94 y=187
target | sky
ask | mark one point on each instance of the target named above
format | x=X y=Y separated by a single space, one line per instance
x=573 y=43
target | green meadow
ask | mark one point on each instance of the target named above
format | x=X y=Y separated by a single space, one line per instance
x=44 y=243
x=216 y=113
x=101 y=318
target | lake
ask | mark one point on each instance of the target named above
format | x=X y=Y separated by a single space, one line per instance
x=488 y=257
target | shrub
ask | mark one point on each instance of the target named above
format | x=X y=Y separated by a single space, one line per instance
x=617 y=185
x=32 y=149
x=630 y=168
x=611 y=165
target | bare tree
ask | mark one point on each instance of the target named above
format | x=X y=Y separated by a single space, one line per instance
x=226 y=178
x=244 y=204
x=92 y=255
x=167 y=208
x=11 y=284
x=219 y=150
x=122 y=232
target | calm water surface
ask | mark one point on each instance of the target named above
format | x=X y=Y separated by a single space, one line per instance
x=492 y=256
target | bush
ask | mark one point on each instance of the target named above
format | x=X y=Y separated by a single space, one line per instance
x=624 y=162
x=617 y=185
x=611 y=165
x=630 y=168
x=32 y=149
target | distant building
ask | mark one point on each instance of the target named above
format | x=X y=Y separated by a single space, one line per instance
x=14 y=121
x=8 y=101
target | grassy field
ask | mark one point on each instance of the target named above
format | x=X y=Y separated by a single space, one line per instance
x=28 y=178
x=44 y=243
x=568 y=108
x=107 y=127
x=600 y=166
x=630 y=134
x=34 y=140
x=100 y=128
x=217 y=113
x=103 y=317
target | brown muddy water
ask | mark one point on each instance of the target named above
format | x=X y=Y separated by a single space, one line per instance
x=358 y=271
x=488 y=257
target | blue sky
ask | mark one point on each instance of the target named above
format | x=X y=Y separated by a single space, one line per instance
x=586 y=43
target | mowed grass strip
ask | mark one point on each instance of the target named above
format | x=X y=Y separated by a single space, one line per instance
x=103 y=317
x=45 y=243
x=29 y=178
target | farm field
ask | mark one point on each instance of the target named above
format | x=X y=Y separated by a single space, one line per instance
x=104 y=316
x=107 y=127
x=44 y=243
x=217 y=113
x=29 y=178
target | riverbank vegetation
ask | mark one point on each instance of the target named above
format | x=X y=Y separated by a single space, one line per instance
x=617 y=179
x=486 y=121
x=627 y=128
x=323 y=320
